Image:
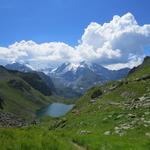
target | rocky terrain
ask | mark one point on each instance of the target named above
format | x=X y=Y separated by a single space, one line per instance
x=11 y=120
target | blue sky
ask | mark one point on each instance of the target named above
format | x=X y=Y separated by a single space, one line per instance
x=61 y=20
x=112 y=33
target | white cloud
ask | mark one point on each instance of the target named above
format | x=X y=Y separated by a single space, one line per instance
x=38 y=54
x=133 y=62
x=119 y=43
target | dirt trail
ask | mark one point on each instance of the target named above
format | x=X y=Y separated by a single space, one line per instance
x=79 y=147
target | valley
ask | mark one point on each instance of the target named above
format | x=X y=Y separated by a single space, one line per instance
x=110 y=116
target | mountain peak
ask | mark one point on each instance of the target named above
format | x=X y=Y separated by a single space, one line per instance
x=19 y=67
x=84 y=64
x=65 y=67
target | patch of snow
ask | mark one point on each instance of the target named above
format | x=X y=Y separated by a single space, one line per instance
x=72 y=67
x=29 y=66
x=53 y=70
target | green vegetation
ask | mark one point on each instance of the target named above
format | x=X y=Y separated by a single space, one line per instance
x=36 y=82
x=19 y=95
x=111 y=117
x=32 y=138
x=141 y=70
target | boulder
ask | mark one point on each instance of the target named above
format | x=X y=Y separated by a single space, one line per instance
x=147 y=134
x=107 y=133
x=11 y=120
x=84 y=132
x=127 y=94
x=132 y=115
x=96 y=94
x=93 y=101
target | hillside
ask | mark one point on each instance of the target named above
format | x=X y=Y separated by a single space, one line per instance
x=113 y=116
x=19 y=67
x=119 y=115
x=59 y=89
x=140 y=70
x=22 y=93
x=30 y=73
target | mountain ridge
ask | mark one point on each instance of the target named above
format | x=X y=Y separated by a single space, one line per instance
x=75 y=78
x=92 y=74
x=22 y=93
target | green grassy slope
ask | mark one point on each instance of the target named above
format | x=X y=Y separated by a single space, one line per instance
x=141 y=70
x=33 y=138
x=119 y=118
x=19 y=96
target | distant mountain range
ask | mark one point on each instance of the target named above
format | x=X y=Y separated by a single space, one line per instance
x=58 y=89
x=19 y=67
x=83 y=76
x=71 y=79
x=27 y=69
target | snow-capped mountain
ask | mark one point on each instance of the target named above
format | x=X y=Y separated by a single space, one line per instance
x=46 y=70
x=19 y=67
x=84 y=75
x=65 y=67
x=74 y=78
x=109 y=74
x=96 y=68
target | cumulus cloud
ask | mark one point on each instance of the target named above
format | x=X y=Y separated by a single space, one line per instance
x=119 y=41
x=38 y=55
x=117 y=44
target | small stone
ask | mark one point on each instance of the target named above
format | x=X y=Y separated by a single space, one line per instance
x=104 y=119
x=126 y=127
x=145 y=125
x=83 y=132
x=109 y=116
x=147 y=121
x=147 y=134
x=119 y=116
x=117 y=128
x=142 y=119
x=81 y=122
x=93 y=101
x=107 y=133
x=120 y=132
x=75 y=111
x=132 y=115
x=127 y=94
x=99 y=107
x=97 y=93
x=147 y=113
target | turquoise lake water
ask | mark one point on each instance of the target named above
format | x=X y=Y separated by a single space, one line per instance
x=55 y=110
